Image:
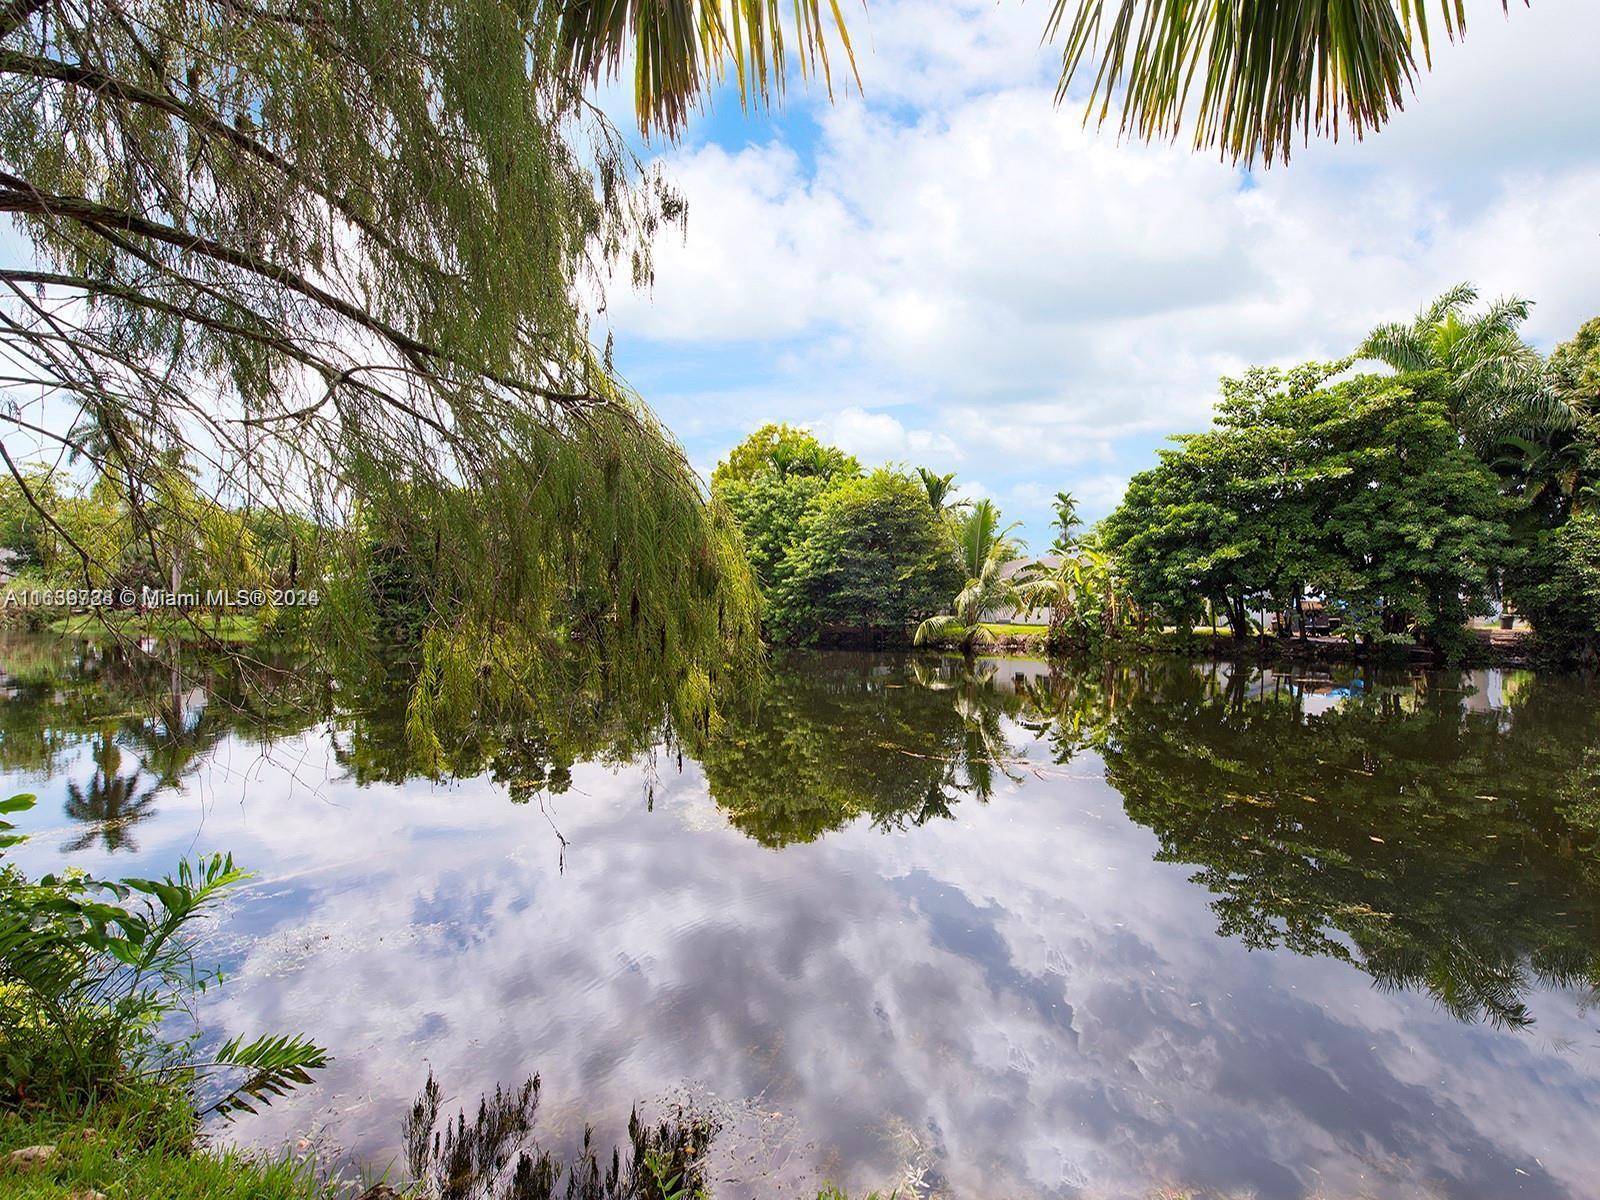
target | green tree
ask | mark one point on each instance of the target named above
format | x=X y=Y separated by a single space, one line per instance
x=873 y=559
x=1553 y=467
x=1491 y=380
x=330 y=283
x=1067 y=523
x=1178 y=539
x=1557 y=588
x=769 y=483
x=983 y=550
x=1081 y=592
x=980 y=537
x=821 y=742
x=937 y=486
x=23 y=530
x=1360 y=491
x=1575 y=369
x=785 y=452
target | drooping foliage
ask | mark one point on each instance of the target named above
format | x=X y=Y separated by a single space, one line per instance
x=1250 y=77
x=328 y=263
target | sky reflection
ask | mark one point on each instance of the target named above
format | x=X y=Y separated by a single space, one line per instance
x=1015 y=1000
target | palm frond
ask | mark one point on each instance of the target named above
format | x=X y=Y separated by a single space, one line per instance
x=1267 y=70
x=935 y=629
x=683 y=49
x=1448 y=304
x=1396 y=345
x=273 y=1067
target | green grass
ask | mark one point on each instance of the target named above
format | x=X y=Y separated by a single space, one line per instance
x=1003 y=630
x=143 y=1144
x=230 y=627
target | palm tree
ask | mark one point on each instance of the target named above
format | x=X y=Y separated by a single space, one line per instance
x=1079 y=591
x=1250 y=78
x=1494 y=381
x=983 y=548
x=937 y=486
x=1067 y=522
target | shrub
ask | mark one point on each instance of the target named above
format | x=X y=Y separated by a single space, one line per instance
x=92 y=970
x=1558 y=589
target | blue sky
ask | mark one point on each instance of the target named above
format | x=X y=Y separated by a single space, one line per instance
x=950 y=270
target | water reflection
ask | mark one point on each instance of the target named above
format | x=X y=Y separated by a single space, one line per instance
x=1437 y=845
x=112 y=803
x=819 y=743
x=1091 y=931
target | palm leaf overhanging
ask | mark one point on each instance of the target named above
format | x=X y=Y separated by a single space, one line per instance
x=679 y=50
x=1250 y=75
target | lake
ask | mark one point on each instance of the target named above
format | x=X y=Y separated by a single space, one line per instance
x=987 y=929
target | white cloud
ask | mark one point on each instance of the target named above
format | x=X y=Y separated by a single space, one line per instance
x=875 y=437
x=1038 y=303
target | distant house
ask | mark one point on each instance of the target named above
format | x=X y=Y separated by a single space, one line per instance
x=1013 y=616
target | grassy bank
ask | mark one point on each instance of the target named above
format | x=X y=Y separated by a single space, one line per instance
x=229 y=627
x=141 y=1142
x=1482 y=647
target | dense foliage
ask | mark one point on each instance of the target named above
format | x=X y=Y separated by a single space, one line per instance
x=983 y=551
x=818 y=744
x=1358 y=491
x=838 y=554
x=1558 y=587
x=93 y=971
x=873 y=558
x=1399 y=505
x=282 y=275
x=1424 y=842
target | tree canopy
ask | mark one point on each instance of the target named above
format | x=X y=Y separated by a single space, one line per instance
x=1359 y=491
x=872 y=558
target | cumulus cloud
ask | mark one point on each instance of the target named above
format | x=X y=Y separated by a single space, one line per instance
x=1039 y=304
x=875 y=437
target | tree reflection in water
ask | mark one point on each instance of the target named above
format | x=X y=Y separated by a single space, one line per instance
x=825 y=739
x=1398 y=823
x=112 y=803
x=1401 y=823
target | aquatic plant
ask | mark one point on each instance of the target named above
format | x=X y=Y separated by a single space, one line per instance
x=494 y=1157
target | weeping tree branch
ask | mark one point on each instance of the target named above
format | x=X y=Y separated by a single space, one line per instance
x=344 y=250
x=45 y=514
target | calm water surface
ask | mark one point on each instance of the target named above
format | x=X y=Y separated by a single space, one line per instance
x=966 y=930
